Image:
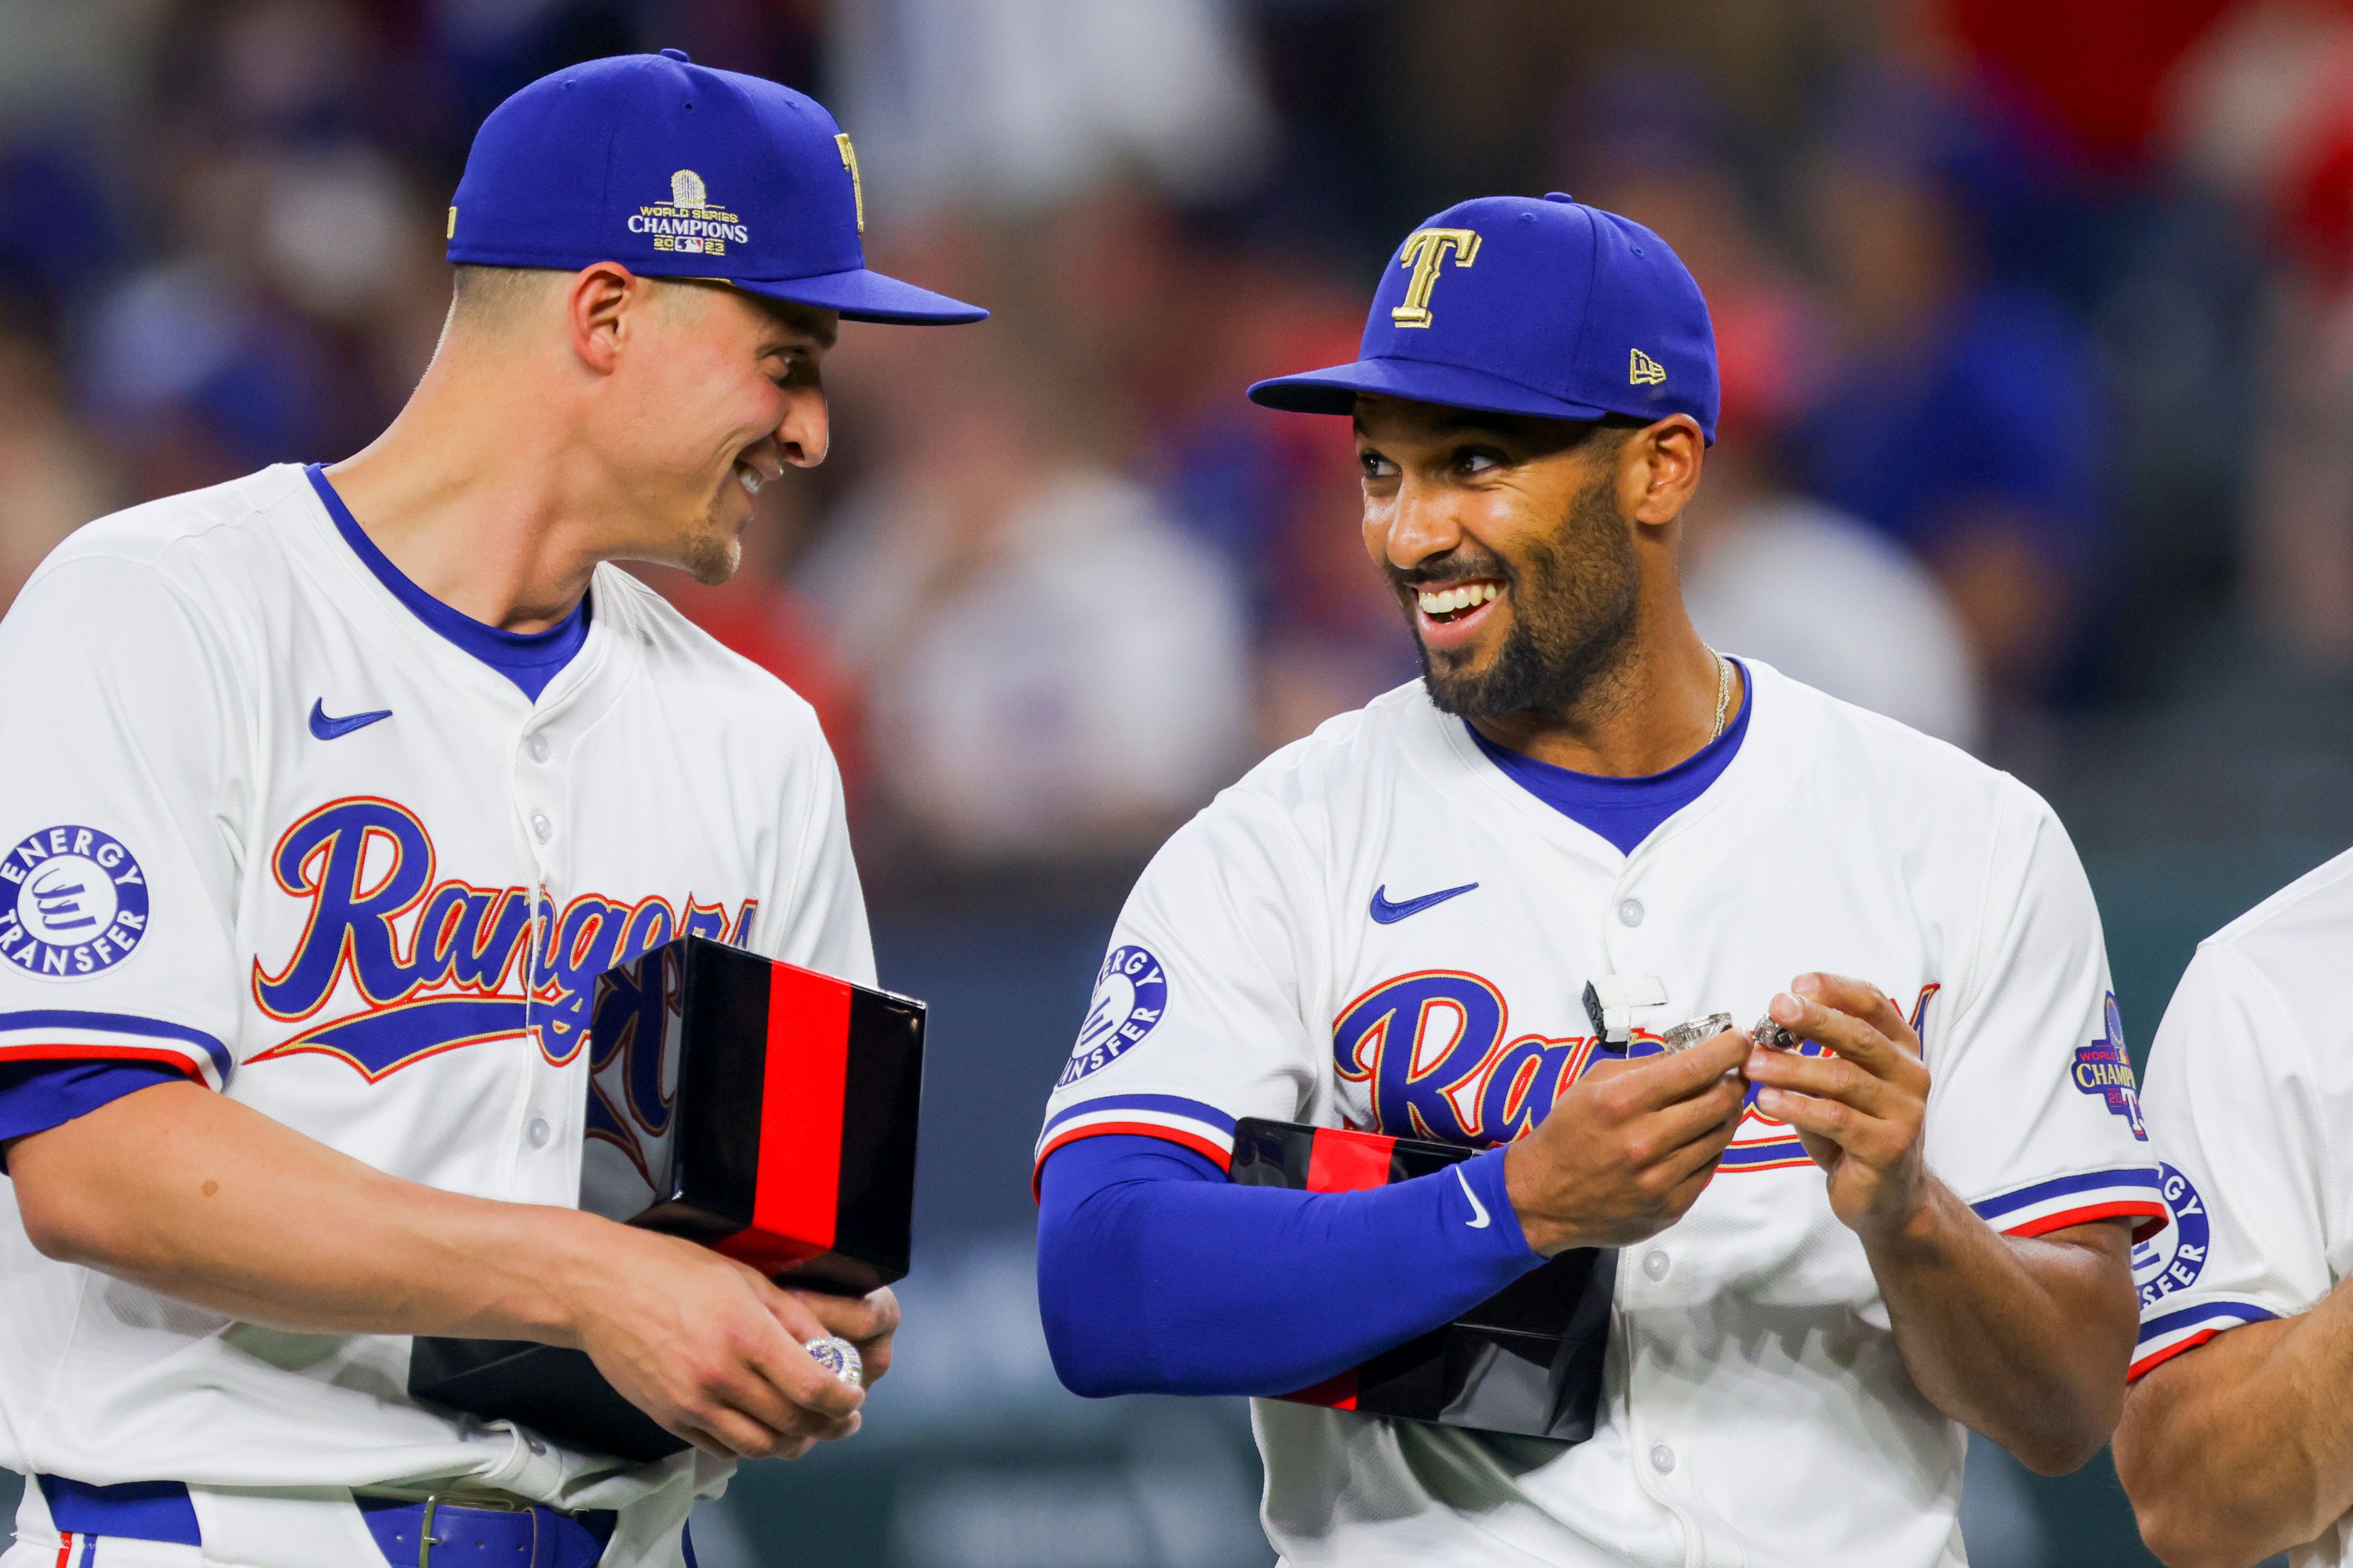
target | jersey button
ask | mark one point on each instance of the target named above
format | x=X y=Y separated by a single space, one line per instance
x=1662 y=1459
x=1630 y=912
x=540 y=827
x=1656 y=1265
x=538 y=744
x=539 y=1133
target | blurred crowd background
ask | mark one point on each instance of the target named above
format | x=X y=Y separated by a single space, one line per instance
x=2036 y=326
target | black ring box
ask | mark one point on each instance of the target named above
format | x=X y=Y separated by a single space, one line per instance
x=1527 y=1361
x=762 y=1109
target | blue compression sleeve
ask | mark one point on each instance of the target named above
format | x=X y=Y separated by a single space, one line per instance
x=1155 y=1274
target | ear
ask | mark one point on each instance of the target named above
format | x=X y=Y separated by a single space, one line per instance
x=599 y=308
x=1658 y=469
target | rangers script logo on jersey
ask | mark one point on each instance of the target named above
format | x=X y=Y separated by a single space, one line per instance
x=439 y=966
x=1440 y=1060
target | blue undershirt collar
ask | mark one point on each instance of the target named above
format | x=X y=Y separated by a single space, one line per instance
x=1627 y=811
x=530 y=660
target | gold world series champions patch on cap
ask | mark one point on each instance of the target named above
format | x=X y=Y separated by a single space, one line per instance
x=688 y=223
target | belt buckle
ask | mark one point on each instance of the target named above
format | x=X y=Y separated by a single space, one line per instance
x=492 y=1503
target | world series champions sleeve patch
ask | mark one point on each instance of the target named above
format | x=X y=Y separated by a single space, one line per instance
x=2104 y=1068
x=1131 y=997
x=73 y=904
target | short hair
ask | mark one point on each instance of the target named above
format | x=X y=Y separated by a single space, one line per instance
x=493 y=299
x=498 y=294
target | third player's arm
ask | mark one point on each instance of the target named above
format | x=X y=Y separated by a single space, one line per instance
x=191 y=1195
x=2025 y=1339
x=2243 y=1447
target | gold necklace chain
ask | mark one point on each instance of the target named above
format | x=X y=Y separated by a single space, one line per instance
x=1723 y=694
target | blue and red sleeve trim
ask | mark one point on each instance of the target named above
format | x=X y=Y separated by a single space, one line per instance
x=2167 y=1334
x=1191 y=1123
x=2042 y=1207
x=60 y=1034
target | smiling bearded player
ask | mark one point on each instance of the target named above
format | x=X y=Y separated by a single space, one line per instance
x=1834 y=1260
x=331 y=792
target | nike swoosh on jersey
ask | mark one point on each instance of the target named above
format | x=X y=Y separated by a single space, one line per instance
x=1388 y=914
x=1476 y=1206
x=327 y=728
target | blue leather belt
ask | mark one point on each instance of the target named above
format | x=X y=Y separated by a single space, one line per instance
x=435 y=1535
x=431 y=1535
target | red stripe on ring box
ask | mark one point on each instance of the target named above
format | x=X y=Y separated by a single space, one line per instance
x=1344 y=1161
x=1337 y=1392
x=798 y=1194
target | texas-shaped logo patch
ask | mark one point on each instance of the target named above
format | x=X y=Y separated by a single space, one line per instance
x=2104 y=1068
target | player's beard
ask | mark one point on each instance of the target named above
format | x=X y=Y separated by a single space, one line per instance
x=1575 y=601
x=713 y=552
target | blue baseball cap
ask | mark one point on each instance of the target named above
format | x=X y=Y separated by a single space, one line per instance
x=1515 y=305
x=675 y=170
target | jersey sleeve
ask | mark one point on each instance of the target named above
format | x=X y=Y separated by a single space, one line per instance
x=1198 y=1016
x=2033 y=1115
x=127 y=773
x=2242 y=1121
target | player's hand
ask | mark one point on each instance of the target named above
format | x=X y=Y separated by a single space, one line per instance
x=1628 y=1148
x=1860 y=1113
x=711 y=1350
x=867 y=1321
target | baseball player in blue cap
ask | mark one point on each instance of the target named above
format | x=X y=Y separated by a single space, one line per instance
x=1528 y=905
x=332 y=791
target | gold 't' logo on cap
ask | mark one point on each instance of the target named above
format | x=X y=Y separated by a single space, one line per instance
x=1425 y=252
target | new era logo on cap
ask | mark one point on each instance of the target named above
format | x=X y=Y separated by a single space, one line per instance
x=1516 y=305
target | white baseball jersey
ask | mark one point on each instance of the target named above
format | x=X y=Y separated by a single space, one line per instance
x=2251 y=1102
x=262 y=824
x=1378 y=928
